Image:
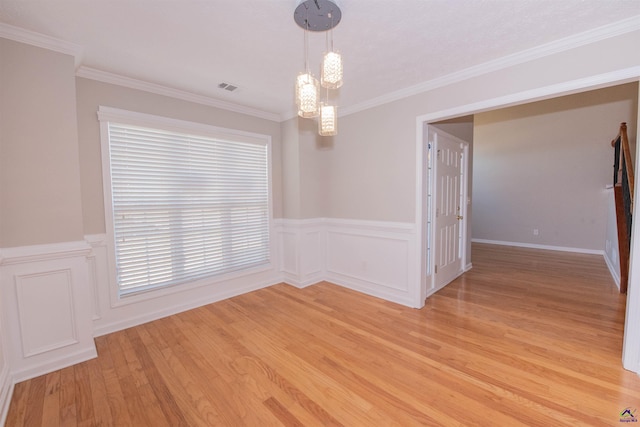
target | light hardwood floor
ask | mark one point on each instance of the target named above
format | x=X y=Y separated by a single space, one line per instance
x=527 y=337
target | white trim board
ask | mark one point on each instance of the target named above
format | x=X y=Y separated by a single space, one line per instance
x=544 y=247
x=53 y=364
x=557 y=46
x=591 y=36
x=6 y=392
x=107 y=328
x=612 y=271
x=617 y=77
x=32 y=38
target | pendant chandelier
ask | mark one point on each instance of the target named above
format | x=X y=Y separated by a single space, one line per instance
x=319 y=16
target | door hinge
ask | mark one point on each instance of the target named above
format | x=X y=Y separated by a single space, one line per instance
x=435 y=268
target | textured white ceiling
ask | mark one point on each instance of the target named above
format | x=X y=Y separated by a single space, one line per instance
x=193 y=45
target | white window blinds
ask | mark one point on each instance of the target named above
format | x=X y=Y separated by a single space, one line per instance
x=184 y=206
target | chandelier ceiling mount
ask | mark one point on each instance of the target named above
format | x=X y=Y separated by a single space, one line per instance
x=317 y=15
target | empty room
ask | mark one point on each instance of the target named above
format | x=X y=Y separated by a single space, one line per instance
x=317 y=212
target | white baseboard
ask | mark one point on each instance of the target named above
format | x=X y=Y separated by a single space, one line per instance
x=107 y=328
x=545 y=247
x=296 y=283
x=368 y=288
x=54 y=364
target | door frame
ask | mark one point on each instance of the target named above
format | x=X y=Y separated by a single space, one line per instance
x=429 y=179
x=631 y=343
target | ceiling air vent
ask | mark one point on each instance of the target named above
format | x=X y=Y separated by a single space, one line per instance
x=227 y=86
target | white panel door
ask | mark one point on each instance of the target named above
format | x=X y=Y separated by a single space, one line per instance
x=448 y=227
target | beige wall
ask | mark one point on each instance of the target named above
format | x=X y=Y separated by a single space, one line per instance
x=40 y=198
x=304 y=166
x=92 y=94
x=290 y=169
x=545 y=166
x=314 y=190
x=371 y=169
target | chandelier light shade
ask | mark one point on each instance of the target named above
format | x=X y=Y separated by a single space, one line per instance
x=331 y=71
x=319 y=16
x=328 y=120
x=307 y=95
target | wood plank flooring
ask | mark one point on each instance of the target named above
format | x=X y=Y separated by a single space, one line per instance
x=527 y=337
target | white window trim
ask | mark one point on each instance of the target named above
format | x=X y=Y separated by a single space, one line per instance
x=109 y=114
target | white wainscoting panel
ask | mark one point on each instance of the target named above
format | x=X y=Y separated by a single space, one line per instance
x=46 y=302
x=376 y=258
x=36 y=294
x=382 y=262
x=300 y=247
x=613 y=267
x=312 y=256
x=288 y=248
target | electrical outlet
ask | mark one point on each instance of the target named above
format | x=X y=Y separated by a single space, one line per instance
x=536 y=232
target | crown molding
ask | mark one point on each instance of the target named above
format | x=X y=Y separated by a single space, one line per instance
x=622 y=76
x=46 y=42
x=116 y=79
x=597 y=34
x=601 y=33
x=40 y=40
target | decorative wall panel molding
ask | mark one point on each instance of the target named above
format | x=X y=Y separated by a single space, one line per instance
x=300 y=248
x=46 y=302
x=36 y=293
x=376 y=258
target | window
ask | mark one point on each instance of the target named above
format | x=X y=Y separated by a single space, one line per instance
x=187 y=202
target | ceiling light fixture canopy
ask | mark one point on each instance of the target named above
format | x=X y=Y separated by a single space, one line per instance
x=319 y=16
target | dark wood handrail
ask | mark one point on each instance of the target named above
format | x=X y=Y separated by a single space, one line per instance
x=626 y=152
x=623 y=183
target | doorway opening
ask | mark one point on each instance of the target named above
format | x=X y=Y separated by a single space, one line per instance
x=632 y=335
x=446 y=202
